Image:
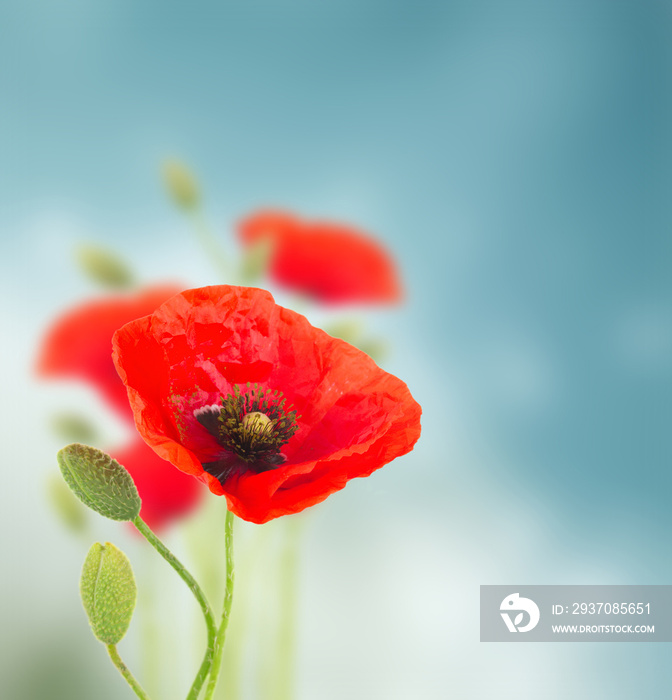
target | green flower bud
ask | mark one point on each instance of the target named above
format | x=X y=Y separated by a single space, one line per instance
x=349 y=329
x=375 y=348
x=99 y=481
x=181 y=184
x=66 y=506
x=108 y=592
x=73 y=427
x=104 y=267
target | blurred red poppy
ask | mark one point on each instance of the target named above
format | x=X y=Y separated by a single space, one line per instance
x=251 y=399
x=330 y=262
x=166 y=493
x=79 y=344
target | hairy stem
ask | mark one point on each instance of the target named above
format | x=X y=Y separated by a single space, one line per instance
x=226 y=608
x=123 y=669
x=200 y=598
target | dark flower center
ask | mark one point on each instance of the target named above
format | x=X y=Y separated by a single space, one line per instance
x=251 y=427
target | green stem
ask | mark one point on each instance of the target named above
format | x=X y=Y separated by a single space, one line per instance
x=123 y=669
x=149 y=632
x=288 y=580
x=226 y=608
x=198 y=594
x=210 y=244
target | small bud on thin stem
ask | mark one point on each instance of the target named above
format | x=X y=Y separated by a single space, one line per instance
x=181 y=184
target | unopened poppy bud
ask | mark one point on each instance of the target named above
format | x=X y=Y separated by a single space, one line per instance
x=99 y=481
x=181 y=184
x=108 y=592
x=256 y=422
x=104 y=267
x=346 y=329
x=375 y=348
x=67 y=507
x=73 y=427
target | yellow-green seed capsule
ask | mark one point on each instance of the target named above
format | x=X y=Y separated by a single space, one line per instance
x=256 y=422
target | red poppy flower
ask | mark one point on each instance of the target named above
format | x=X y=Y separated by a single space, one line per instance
x=79 y=344
x=251 y=399
x=330 y=262
x=166 y=493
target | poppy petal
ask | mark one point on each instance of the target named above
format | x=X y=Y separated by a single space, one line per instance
x=332 y=263
x=79 y=344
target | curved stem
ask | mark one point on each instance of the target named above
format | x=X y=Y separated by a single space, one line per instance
x=123 y=669
x=226 y=608
x=198 y=594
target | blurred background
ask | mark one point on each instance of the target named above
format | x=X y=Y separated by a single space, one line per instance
x=515 y=158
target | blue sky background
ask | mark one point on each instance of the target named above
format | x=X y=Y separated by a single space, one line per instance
x=516 y=158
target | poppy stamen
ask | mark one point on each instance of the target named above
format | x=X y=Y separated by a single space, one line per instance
x=253 y=425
